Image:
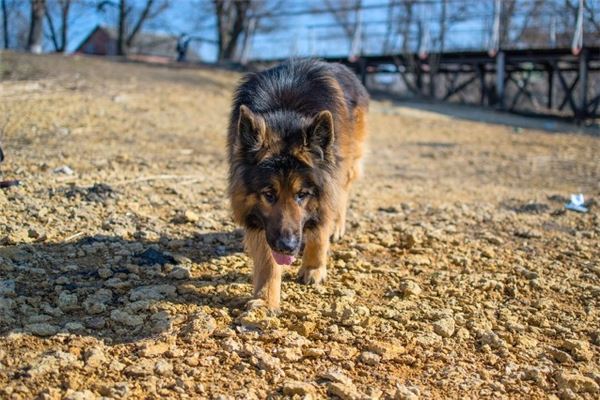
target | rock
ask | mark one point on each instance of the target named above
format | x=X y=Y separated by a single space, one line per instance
x=387 y=350
x=42 y=329
x=95 y=322
x=580 y=349
x=366 y=357
x=163 y=367
x=116 y=365
x=409 y=288
x=126 y=318
x=406 y=393
x=7 y=288
x=190 y=216
x=68 y=301
x=292 y=388
x=144 y=367
x=199 y=326
x=444 y=327
x=335 y=375
x=560 y=356
x=491 y=339
x=154 y=349
x=180 y=272
x=344 y=392
x=52 y=363
x=79 y=395
x=262 y=360
x=105 y=273
x=96 y=302
x=153 y=292
x=577 y=383
x=313 y=352
x=94 y=357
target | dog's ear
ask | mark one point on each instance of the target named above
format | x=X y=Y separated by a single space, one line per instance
x=320 y=135
x=251 y=129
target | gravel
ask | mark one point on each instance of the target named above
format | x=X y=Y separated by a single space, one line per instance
x=459 y=275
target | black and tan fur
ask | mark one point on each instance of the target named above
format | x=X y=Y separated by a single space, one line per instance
x=295 y=145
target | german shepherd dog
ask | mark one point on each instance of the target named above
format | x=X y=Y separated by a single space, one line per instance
x=295 y=145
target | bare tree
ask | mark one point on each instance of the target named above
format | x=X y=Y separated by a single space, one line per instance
x=345 y=13
x=38 y=9
x=5 y=24
x=128 y=15
x=231 y=21
x=58 y=33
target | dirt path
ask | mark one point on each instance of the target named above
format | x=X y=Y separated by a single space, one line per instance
x=461 y=276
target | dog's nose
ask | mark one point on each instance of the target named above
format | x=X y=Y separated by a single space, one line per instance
x=288 y=243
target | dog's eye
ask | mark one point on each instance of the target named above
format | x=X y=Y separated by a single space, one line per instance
x=302 y=195
x=269 y=196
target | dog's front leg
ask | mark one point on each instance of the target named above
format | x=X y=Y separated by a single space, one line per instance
x=266 y=275
x=314 y=260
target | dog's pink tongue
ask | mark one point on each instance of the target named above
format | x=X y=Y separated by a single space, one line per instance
x=282 y=259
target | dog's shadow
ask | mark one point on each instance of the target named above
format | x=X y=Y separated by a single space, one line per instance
x=119 y=290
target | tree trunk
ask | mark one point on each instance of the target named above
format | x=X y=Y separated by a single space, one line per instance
x=65 y=25
x=5 y=24
x=121 y=45
x=231 y=22
x=34 y=43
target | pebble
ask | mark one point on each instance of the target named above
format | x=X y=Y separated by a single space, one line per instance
x=406 y=393
x=163 y=367
x=7 y=288
x=68 y=301
x=344 y=392
x=444 y=327
x=153 y=292
x=577 y=383
x=42 y=329
x=579 y=349
x=293 y=388
x=126 y=318
x=199 y=326
x=369 y=358
x=94 y=357
x=409 y=288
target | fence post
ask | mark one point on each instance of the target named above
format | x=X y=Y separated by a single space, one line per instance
x=500 y=72
x=583 y=83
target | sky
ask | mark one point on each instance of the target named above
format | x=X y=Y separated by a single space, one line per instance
x=300 y=35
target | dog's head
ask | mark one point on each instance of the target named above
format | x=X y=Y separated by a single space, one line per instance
x=285 y=163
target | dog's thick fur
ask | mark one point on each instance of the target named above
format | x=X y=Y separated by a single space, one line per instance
x=295 y=145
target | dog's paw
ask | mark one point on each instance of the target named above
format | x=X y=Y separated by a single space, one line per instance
x=256 y=305
x=312 y=276
x=339 y=230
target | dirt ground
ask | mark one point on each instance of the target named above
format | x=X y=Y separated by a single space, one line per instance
x=123 y=276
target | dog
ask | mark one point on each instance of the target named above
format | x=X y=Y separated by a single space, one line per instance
x=295 y=145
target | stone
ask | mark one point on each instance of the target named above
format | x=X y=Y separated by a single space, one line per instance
x=344 y=392
x=79 y=395
x=42 y=329
x=152 y=292
x=180 y=272
x=143 y=367
x=163 y=367
x=406 y=393
x=199 y=327
x=126 y=318
x=293 y=388
x=369 y=358
x=94 y=357
x=154 y=349
x=409 y=288
x=387 y=350
x=444 y=327
x=579 y=349
x=577 y=383
x=96 y=302
x=68 y=301
x=8 y=288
